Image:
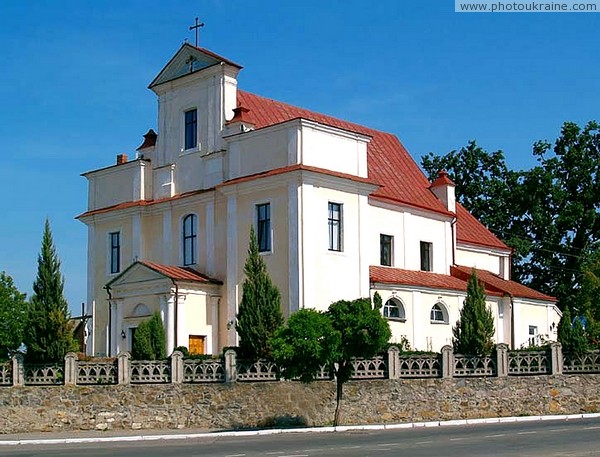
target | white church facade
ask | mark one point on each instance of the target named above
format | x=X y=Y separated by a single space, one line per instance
x=341 y=211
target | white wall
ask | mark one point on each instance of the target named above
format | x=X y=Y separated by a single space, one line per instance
x=483 y=259
x=334 y=149
x=530 y=312
x=420 y=331
x=329 y=276
x=127 y=182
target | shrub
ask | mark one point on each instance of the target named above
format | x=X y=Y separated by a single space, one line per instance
x=149 y=340
x=474 y=330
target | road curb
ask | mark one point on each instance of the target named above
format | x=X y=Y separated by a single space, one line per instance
x=342 y=428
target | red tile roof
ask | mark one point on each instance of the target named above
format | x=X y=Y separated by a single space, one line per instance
x=470 y=230
x=388 y=275
x=388 y=162
x=296 y=167
x=179 y=273
x=442 y=180
x=495 y=282
x=149 y=140
x=126 y=205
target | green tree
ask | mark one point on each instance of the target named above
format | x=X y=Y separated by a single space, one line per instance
x=259 y=314
x=307 y=342
x=13 y=316
x=157 y=336
x=572 y=335
x=141 y=347
x=549 y=214
x=490 y=191
x=588 y=296
x=474 y=330
x=149 y=340
x=48 y=335
x=563 y=210
x=348 y=330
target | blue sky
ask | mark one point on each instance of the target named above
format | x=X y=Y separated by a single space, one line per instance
x=74 y=76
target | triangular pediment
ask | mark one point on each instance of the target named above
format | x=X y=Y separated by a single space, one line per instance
x=189 y=59
x=136 y=274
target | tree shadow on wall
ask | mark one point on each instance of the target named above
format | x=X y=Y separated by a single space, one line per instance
x=284 y=421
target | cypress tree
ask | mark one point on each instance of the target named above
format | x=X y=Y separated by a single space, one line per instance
x=259 y=314
x=572 y=335
x=149 y=340
x=475 y=328
x=157 y=337
x=48 y=335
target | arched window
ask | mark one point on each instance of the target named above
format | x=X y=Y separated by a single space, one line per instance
x=394 y=309
x=439 y=314
x=189 y=239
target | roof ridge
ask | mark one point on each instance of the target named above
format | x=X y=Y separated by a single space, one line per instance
x=359 y=127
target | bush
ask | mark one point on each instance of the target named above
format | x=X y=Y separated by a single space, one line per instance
x=149 y=340
x=142 y=348
x=183 y=350
x=474 y=330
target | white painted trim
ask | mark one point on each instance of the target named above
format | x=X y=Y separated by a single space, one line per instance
x=364 y=232
x=136 y=237
x=232 y=267
x=167 y=236
x=113 y=328
x=170 y=323
x=293 y=247
x=210 y=237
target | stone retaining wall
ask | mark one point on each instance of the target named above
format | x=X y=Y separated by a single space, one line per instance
x=241 y=405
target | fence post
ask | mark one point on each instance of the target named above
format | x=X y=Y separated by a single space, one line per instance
x=447 y=362
x=70 y=369
x=123 y=367
x=177 y=367
x=230 y=366
x=556 y=356
x=393 y=363
x=502 y=360
x=18 y=370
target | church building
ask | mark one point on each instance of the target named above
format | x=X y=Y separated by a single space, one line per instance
x=340 y=211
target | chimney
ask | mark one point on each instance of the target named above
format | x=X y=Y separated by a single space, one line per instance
x=443 y=188
x=121 y=159
x=240 y=122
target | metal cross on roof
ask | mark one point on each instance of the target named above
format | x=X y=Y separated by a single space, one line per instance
x=196 y=27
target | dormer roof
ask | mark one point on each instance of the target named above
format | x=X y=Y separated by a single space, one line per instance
x=442 y=180
x=189 y=59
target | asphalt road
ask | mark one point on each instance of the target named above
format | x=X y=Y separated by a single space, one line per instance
x=545 y=438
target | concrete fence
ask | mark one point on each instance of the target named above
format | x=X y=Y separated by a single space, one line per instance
x=229 y=369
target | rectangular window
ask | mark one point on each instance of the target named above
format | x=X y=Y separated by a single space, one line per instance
x=335 y=227
x=189 y=239
x=533 y=330
x=385 y=250
x=115 y=252
x=426 y=256
x=191 y=129
x=263 y=225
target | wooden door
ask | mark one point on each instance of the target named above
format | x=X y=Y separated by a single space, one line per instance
x=196 y=344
